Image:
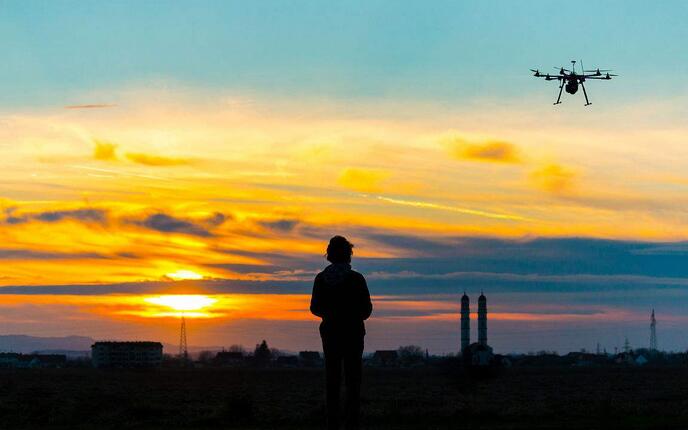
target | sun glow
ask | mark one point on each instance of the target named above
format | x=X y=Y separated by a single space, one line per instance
x=182 y=302
x=182 y=274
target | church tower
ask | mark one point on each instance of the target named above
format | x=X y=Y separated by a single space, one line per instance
x=465 y=322
x=482 y=320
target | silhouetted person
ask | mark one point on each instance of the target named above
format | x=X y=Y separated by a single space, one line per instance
x=341 y=298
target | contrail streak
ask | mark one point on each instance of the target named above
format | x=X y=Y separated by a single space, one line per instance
x=467 y=211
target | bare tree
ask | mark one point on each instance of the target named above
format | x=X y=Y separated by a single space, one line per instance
x=410 y=355
x=237 y=348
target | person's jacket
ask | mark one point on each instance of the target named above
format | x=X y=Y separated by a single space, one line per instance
x=341 y=298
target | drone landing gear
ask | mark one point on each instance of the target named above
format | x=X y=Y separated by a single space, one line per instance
x=561 y=88
x=587 y=102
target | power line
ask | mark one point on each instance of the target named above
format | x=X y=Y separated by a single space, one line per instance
x=183 y=347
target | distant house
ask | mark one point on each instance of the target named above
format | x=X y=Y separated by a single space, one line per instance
x=640 y=360
x=126 y=354
x=585 y=359
x=287 y=361
x=9 y=359
x=229 y=358
x=310 y=359
x=32 y=361
x=51 y=360
x=385 y=358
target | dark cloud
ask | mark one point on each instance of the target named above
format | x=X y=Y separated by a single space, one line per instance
x=277 y=261
x=97 y=216
x=165 y=223
x=248 y=268
x=86 y=215
x=217 y=219
x=539 y=264
x=15 y=219
x=282 y=225
x=25 y=254
x=544 y=256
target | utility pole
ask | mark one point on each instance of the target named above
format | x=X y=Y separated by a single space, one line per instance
x=653 y=332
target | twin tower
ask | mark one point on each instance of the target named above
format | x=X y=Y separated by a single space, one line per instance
x=466 y=321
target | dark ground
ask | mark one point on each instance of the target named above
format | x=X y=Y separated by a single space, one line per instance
x=629 y=398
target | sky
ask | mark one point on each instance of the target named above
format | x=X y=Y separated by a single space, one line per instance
x=152 y=149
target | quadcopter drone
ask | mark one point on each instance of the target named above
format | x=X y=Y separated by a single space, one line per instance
x=570 y=79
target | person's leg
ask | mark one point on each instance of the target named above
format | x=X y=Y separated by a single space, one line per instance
x=352 y=381
x=333 y=374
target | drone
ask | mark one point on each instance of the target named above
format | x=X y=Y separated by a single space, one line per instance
x=570 y=79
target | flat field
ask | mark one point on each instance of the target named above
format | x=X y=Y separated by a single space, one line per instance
x=428 y=398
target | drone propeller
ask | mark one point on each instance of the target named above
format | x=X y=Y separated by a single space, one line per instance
x=597 y=70
x=537 y=72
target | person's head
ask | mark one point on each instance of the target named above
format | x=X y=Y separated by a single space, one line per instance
x=339 y=250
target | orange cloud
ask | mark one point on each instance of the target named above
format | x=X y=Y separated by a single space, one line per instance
x=554 y=178
x=490 y=151
x=104 y=150
x=156 y=160
x=363 y=180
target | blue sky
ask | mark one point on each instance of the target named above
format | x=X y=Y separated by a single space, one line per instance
x=441 y=51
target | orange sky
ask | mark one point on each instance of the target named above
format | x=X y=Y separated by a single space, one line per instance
x=164 y=186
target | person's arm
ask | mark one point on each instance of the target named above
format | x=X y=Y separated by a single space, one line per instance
x=317 y=300
x=366 y=303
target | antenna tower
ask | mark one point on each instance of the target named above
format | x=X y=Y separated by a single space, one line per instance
x=653 y=332
x=183 y=349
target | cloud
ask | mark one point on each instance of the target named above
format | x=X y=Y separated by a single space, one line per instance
x=91 y=106
x=489 y=151
x=97 y=216
x=107 y=151
x=362 y=180
x=165 y=223
x=282 y=225
x=156 y=160
x=27 y=254
x=217 y=219
x=104 y=151
x=554 y=178
x=87 y=215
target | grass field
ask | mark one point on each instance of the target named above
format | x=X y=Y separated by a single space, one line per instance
x=392 y=399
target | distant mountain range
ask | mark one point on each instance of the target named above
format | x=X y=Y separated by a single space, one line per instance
x=28 y=344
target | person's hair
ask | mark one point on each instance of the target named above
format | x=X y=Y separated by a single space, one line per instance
x=339 y=250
